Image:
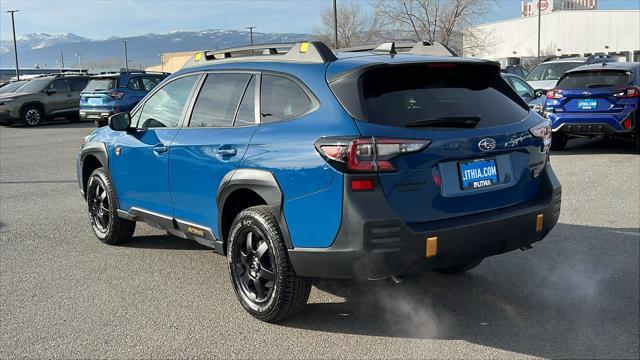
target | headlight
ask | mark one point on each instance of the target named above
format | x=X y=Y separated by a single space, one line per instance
x=4 y=101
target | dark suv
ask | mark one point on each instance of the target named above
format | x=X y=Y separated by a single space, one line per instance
x=42 y=99
x=302 y=163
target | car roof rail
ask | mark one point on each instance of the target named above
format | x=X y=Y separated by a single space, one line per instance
x=429 y=48
x=304 y=51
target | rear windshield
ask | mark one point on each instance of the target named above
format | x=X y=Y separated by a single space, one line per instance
x=551 y=71
x=101 y=84
x=595 y=79
x=411 y=94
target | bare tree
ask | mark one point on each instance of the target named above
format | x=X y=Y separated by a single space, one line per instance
x=355 y=26
x=446 y=21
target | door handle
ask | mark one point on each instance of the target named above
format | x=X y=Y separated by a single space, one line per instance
x=226 y=150
x=159 y=149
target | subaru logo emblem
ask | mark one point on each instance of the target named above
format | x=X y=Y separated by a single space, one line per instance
x=487 y=144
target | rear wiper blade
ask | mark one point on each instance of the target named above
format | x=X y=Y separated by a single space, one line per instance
x=597 y=85
x=447 y=121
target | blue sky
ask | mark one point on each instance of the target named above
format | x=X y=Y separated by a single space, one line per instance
x=103 y=19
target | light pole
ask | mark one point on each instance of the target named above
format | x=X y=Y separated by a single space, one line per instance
x=126 y=57
x=15 y=47
x=335 y=23
x=251 y=33
x=539 y=20
x=62 y=58
x=79 y=61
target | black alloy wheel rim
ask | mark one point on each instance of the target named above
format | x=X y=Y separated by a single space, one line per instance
x=253 y=264
x=99 y=206
x=32 y=116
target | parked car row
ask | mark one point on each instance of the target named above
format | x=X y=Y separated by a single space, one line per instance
x=73 y=96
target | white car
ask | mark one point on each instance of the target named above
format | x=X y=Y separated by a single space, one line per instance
x=545 y=75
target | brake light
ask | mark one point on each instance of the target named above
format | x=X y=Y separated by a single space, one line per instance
x=543 y=132
x=367 y=154
x=630 y=92
x=554 y=94
x=627 y=124
x=116 y=95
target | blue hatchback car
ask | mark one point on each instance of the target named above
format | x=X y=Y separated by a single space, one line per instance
x=598 y=99
x=111 y=93
x=302 y=163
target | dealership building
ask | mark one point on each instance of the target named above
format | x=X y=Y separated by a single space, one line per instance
x=567 y=28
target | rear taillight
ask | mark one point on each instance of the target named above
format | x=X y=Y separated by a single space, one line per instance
x=554 y=94
x=543 y=132
x=367 y=154
x=627 y=123
x=116 y=95
x=630 y=92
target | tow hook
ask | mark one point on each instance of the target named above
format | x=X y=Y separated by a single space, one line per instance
x=526 y=247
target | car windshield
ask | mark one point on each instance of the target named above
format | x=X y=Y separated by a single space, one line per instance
x=12 y=87
x=35 y=85
x=429 y=95
x=100 y=84
x=551 y=71
x=593 y=79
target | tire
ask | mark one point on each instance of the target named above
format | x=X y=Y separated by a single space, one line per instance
x=31 y=115
x=102 y=206
x=458 y=269
x=261 y=274
x=559 y=141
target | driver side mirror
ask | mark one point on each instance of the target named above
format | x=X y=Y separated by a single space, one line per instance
x=120 y=121
x=50 y=91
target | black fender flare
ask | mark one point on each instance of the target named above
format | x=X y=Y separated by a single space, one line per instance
x=99 y=151
x=262 y=183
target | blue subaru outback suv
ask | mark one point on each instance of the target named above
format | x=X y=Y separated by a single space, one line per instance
x=110 y=93
x=301 y=162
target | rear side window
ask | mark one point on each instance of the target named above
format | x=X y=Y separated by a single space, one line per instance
x=101 y=84
x=412 y=94
x=218 y=100
x=77 y=84
x=282 y=99
x=595 y=79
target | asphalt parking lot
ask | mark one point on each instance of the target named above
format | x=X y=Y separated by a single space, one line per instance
x=63 y=294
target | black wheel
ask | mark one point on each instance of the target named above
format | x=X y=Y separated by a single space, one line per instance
x=259 y=267
x=559 y=141
x=101 y=201
x=32 y=115
x=457 y=269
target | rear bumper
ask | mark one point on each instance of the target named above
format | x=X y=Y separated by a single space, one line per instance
x=594 y=124
x=100 y=115
x=373 y=243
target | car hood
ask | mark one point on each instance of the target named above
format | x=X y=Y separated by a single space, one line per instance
x=13 y=95
x=543 y=84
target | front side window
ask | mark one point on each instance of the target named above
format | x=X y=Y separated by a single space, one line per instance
x=218 y=100
x=165 y=107
x=134 y=83
x=282 y=99
x=59 y=85
x=148 y=83
x=521 y=87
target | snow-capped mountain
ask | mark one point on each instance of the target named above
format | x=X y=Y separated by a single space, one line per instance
x=44 y=49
